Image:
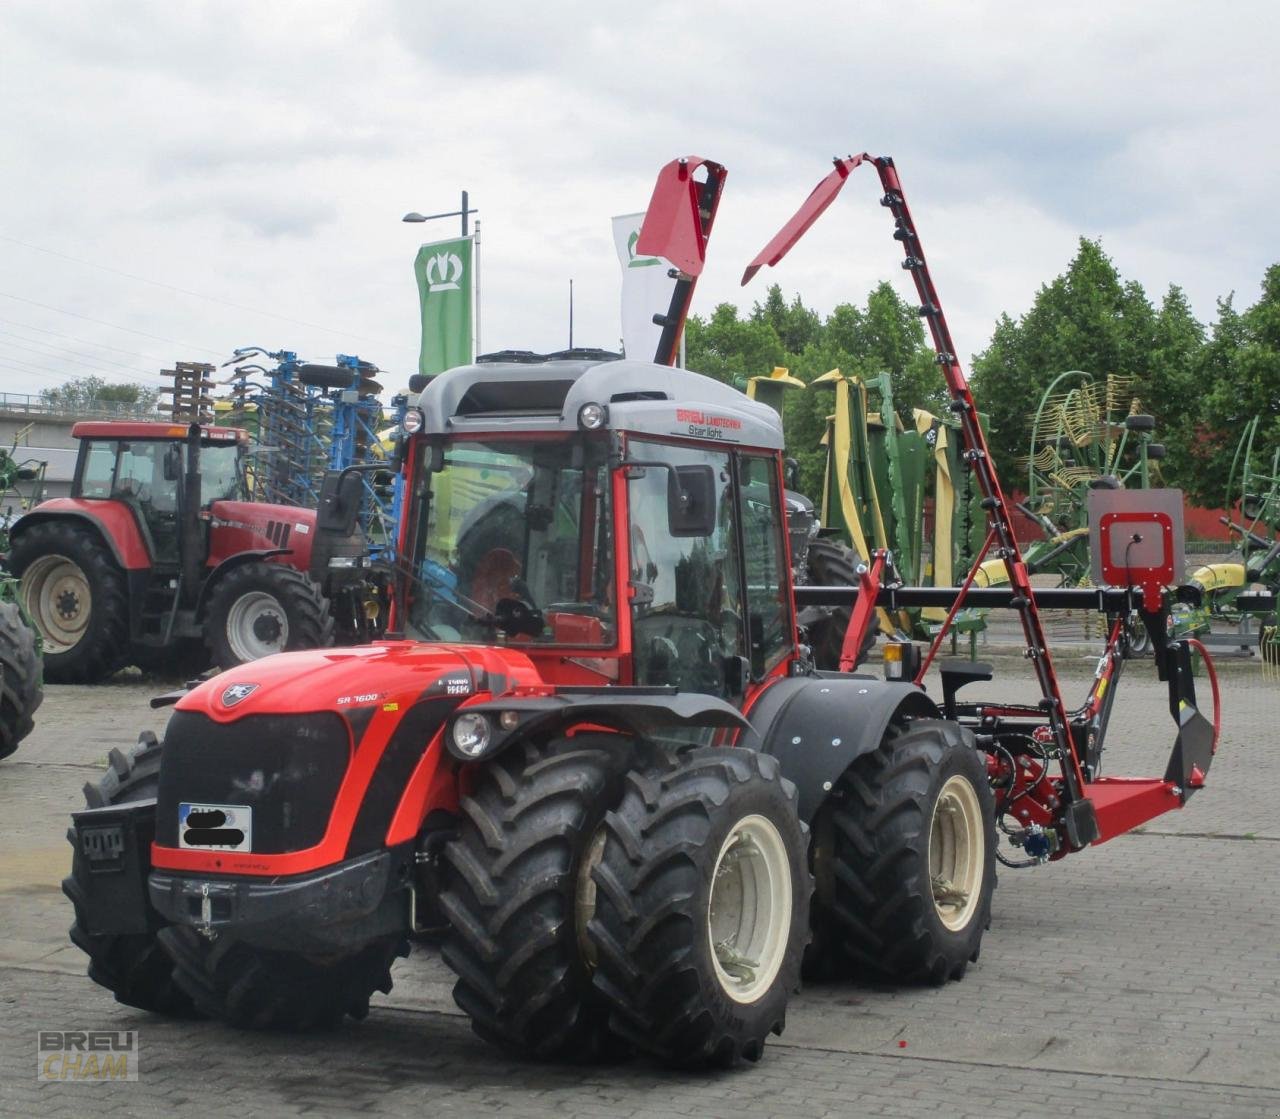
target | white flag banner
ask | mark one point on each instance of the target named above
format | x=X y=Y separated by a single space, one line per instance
x=646 y=290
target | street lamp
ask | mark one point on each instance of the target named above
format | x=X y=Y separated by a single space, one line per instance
x=414 y=217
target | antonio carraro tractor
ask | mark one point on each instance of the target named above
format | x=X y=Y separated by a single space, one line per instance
x=593 y=758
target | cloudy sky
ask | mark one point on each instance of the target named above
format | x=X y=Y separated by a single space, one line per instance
x=182 y=178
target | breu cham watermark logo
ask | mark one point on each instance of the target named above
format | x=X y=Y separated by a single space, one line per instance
x=87 y=1055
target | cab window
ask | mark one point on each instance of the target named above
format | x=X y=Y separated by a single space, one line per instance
x=768 y=608
x=99 y=466
x=687 y=621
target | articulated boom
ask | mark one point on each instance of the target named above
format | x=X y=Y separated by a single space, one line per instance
x=1086 y=807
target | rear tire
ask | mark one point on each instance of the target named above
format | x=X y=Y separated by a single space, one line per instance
x=254 y=988
x=517 y=892
x=262 y=608
x=132 y=966
x=702 y=907
x=75 y=595
x=20 y=690
x=831 y=564
x=904 y=859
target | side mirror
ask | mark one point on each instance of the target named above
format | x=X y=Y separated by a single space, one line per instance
x=791 y=473
x=339 y=503
x=691 y=501
x=173 y=463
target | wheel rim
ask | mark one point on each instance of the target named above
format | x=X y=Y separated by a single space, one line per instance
x=749 y=911
x=957 y=854
x=56 y=595
x=256 y=626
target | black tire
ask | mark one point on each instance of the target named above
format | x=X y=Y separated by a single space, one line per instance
x=831 y=564
x=664 y=846
x=1139 y=638
x=326 y=376
x=874 y=903
x=254 y=988
x=91 y=648
x=132 y=966
x=513 y=884
x=1140 y=421
x=20 y=690
x=294 y=613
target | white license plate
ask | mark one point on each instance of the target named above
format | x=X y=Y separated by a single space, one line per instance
x=215 y=827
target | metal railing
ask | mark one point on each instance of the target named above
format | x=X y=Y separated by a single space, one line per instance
x=27 y=404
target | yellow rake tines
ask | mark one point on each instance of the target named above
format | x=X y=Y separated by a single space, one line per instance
x=1269 y=652
x=1120 y=394
x=1081 y=415
x=1071 y=476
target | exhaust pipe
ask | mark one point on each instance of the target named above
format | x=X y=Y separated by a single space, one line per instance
x=192 y=541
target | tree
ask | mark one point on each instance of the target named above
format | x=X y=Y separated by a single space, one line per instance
x=1084 y=319
x=1240 y=372
x=88 y=394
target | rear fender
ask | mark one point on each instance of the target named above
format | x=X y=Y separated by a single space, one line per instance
x=817 y=726
x=226 y=565
x=113 y=522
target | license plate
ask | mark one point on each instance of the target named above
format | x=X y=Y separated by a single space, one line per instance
x=215 y=827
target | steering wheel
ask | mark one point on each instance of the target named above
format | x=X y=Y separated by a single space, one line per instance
x=519 y=616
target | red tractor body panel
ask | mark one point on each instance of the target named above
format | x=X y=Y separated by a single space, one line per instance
x=374 y=688
x=236 y=527
x=113 y=519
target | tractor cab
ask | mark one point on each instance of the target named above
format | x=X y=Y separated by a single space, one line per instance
x=144 y=467
x=619 y=522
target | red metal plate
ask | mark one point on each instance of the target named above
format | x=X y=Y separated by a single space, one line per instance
x=810 y=210
x=672 y=229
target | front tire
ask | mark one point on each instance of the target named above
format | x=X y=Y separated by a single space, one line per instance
x=20 y=690
x=904 y=859
x=262 y=608
x=131 y=965
x=75 y=595
x=518 y=892
x=702 y=907
x=254 y=988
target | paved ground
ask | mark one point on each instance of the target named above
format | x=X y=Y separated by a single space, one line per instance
x=1138 y=979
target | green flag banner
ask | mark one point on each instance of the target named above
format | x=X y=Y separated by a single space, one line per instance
x=446 y=292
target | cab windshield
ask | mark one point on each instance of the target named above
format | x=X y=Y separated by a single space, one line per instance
x=513 y=543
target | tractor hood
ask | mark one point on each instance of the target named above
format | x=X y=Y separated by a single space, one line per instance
x=304 y=760
x=252 y=526
x=385 y=675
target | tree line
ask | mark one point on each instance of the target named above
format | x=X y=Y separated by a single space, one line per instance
x=1201 y=383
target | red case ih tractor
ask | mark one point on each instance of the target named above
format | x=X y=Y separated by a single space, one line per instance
x=595 y=758
x=157 y=550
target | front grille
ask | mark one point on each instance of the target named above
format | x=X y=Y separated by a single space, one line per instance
x=286 y=768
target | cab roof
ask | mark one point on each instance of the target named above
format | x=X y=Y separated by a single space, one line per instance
x=641 y=397
x=137 y=429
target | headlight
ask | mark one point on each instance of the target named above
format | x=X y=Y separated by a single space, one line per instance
x=413 y=421
x=592 y=417
x=471 y=733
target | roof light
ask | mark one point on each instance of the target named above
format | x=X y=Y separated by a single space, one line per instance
x=592 y=417
x=413 y=422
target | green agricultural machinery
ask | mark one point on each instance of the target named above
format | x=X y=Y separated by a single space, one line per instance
x=888 y=485
x=1240 y=592
x=21 y=675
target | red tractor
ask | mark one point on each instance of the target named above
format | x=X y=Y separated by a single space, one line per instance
x=158 y=553
x=594 y=756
